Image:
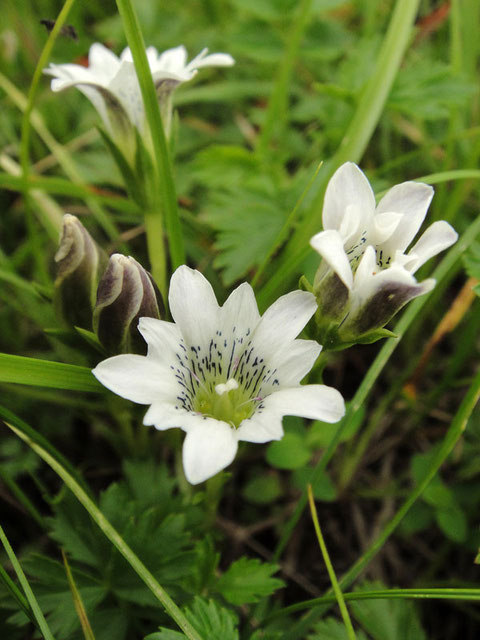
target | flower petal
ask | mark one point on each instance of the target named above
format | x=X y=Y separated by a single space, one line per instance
x=163 y=339
x=411 y=199
x=283 y=321
x=348 y=186
x=136 y=378
x=261 y=427
x=193 y=306
x=315 y=401
x=439 y=236
x=209 y=447
x=329 y=245
x=102 y=62
x=295 y=361
x=240 y=311
x=212 y=60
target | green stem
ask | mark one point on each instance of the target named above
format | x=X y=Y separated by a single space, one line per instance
x=331 y=572
x=112 y=534
x=32 y=601
x=390 y=594
x=166 y=186
x=42 y=62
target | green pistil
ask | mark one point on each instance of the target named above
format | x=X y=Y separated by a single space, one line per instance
x=227 y=402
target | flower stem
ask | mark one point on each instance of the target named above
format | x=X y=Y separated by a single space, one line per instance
x=331 y=572
x=166 y=187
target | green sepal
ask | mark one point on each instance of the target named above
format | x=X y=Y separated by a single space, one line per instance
x=373 y=336
x=304 y=284
x=128 y=174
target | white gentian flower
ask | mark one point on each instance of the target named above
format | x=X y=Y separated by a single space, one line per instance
x=366 y=276
x=222 y=374
x=111 y=83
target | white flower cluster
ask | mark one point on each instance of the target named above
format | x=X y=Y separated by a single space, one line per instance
x=225 y=374
x=111 y=84
x=366 y=276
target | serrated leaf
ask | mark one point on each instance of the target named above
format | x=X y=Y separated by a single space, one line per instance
x=248 y=580
x=209 y=619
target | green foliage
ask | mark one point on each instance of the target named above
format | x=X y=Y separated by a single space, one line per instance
x=209 y=619
x=331 y=629
x=248 y=580
x=471 y=260
x=387 y=619
x=235 y=198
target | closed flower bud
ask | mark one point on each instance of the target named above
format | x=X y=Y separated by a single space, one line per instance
x=79 y=260
x=126 y=292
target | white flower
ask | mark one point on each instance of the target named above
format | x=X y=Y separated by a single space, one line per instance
x=222 y=374
x=111 y=83
x=363 y=247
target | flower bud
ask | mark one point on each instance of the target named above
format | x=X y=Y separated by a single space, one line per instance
x=126 y=292
x=79 y=260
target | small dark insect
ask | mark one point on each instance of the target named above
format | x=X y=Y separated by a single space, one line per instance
x=68 y=30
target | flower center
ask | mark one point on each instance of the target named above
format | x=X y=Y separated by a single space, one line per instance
x=227 y=401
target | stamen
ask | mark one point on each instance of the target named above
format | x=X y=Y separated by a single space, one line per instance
x=225 y=388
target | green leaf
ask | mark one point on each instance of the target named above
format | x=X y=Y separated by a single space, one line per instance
x=331 y=629
x=263 y=489
x=44 y=373
x=324 y=488
x=208 y=618
x=453 y=522
x=471 y=261
x=291 y=452
x=248 y=580
x=387 y=619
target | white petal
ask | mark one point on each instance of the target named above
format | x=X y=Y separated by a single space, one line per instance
x=213 y=60
x=103 y=62
x=283 y=321
x=163 y=339
x=127 y=91
x=411 y=199
x=164 y=415
x=136 y=378
x=69 y=75
x=295 y=361
x=439 y=236
x=240 y=311
x=385 y=225
x=172 y=60
x=348 y=186
x=208 y=448
x=193 y=306
x=315 y=401
x=329 y=245
x=262 y=427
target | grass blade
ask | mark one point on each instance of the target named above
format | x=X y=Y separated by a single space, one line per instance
x=32 y=601
x=331 y=572
x=45 y=373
